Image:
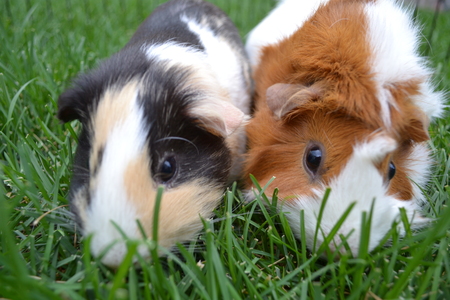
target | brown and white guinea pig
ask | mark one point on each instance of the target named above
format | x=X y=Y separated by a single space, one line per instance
x=168 y=109
x=343 y=100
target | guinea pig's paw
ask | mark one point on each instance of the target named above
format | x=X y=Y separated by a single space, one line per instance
x=250 y=194
x=115 y=252
x=376 y=148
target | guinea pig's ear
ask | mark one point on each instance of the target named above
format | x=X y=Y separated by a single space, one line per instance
x=72 y=104
x=218 y=117
x=283 y=98
x=418 y=129
x=69 y=106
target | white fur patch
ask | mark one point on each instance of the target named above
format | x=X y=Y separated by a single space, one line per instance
x=394 y=41
x=281 y=22
x=360 y=182
x=218 y=66
x=224 y=63
x=419 y=163
x=125 y=141
x=216 y=72
x=174 y=53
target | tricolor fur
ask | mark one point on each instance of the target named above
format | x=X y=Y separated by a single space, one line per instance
x=347 y=80
x=168 y=109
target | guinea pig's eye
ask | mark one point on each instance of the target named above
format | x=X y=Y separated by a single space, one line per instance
x=392 y=169
x=313 y=158
x=167 y=169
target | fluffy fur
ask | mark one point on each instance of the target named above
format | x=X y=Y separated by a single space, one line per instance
x=348 y=81
x=165 y=110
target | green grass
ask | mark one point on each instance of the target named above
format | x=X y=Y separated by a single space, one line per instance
x=248 y=251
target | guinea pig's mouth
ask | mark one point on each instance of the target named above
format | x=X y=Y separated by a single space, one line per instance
x=112 y=251
x=345 y=219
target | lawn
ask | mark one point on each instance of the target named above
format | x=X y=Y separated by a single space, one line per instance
x=247 y=251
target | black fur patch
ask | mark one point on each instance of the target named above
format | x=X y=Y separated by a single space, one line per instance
x=173 y=132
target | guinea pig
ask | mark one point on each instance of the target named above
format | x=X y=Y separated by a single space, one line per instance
x=168 y=109
x=342 y=101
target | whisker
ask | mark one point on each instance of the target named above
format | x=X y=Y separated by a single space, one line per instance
x=83 y=176
x=81 y=168
x=215 y=220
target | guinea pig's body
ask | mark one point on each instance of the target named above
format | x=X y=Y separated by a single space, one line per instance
x=342 y=101
x=168 y=109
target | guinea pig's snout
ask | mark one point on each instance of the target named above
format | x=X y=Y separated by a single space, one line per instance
x=361 y=182
x=119 y=182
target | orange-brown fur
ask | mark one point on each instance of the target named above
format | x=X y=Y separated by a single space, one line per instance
x=180 y=209
x=329 y=50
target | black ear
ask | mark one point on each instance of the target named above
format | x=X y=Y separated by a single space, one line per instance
x=71 y=105
x=75 y=102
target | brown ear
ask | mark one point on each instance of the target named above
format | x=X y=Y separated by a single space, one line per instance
x=418 y=130
x=218 y=117
x=415 y=126
x=283 y=97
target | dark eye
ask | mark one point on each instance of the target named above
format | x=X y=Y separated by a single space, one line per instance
x=391 y=172
x=313 y=159
x=167 y=169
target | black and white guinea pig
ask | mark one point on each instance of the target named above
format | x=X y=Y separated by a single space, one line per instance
x=168 y=109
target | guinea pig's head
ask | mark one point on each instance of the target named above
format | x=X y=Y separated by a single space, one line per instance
x=164 y=127
x=311 y=139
